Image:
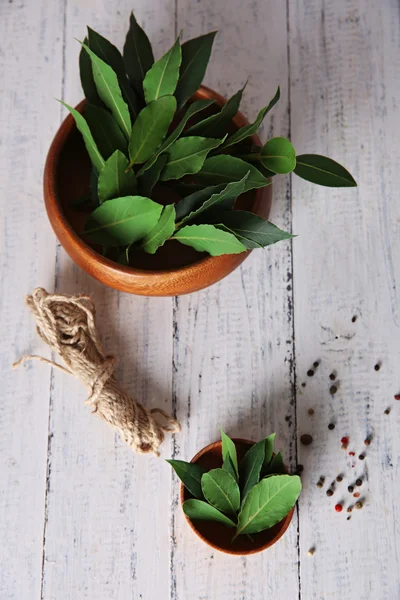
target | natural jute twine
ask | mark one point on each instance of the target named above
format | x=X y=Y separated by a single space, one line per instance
x=66 y=324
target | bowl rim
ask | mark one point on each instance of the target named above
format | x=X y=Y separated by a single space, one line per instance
x=56 y=212
x=264 y=546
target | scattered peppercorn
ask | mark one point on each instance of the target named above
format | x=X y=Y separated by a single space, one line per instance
x=387 y=411
x=359 y=482
x=331 y=426
x=320 y=483
x=350 y=489
x=332 y=376
x=352 y=453
x=349 y=509
x=348 y=518
x=306 y=439
x=354 y=319
x=310 y=372
x=303 y=384
x=339 y=478
x=333 y=389
x=316 y=364
x=310 y=411
x=377 y=367
x=367 y=441
x=345 y=440
x=329 y=492
x=361 y=456
x=311 y=551
x=344 y=446
x=339 y=507
x=359 y=505
x=397 y=397
x=356 y=494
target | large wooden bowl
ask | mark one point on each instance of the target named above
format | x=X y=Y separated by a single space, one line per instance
x=175 y=269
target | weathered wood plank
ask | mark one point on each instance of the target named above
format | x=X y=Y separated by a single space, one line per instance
x=344 y=98
x=108 y=511
x=30 y=74
x=233 y=351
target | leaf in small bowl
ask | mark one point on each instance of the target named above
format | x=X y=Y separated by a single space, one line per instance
x=190 y=474
x=197 y=509
x=221 y=491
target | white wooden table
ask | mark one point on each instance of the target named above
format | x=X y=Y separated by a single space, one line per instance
x=81 y=516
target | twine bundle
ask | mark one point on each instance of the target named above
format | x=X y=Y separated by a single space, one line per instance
x=66 y=324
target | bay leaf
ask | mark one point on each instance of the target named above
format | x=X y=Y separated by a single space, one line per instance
x=323 y=171
x=150 y=128
x=225 y=168
x=216 y=125
x=194 y=108
x=276 y=466
x=162 y=230
x=229 y=450
x=186 y=156
x=278 y=155
x=207 y=238
x=106 y=51
x=135 y=104
x=91 y=147
x=223 y=199
x=251 y=129
x=250 y=468
x=106 y=133
x=138 y=55
x=195 y=56
x=269 y=450
x=221 y=491
x=161 y=79
x=190 y=474
x=253 y=231
x=110 y=92
x=228 y=466
x=268 y=503
x=122 y=221
x=196 y=199
x=150 y=177
x=114 y=179
x=197 y=509
x=87 y=80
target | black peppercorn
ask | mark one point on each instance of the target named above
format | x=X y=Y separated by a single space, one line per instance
x=339 y=478
x=333 y=389
x=306 y=439
x=331 y=426
x=377 y=367
x=310 y=372
x=332 y=376
x=316 y=364
x=329 y=492
x=350 y=489
x=361 y=456
x=359 y=482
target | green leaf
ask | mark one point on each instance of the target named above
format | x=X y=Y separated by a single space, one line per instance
x=87 y=80
x=150 y=128
x=94 y=178
x=195 y=56
x=216 y=125
x=186 y=156
x=194 y=108
x=278 y=155
x=225 y=168
x=190 y=474
x=228 y=466
x=114 y=181
x=253 y=231
x=268 y=503
x=269 y=450
x=106 y=51
x=133 y=101
x=138 y=55
x=323 y=171
x=151 y=176
x=247 y=130
x=162 y=231
x=197 y=509
x=276 y=465
x=196 y=199
x=229 y=449
x=163 y=76
x=107 y=135
x=110 y=92
x=93 y=151
x=207 y=238
x=122 y=221
x=221 y=491
x=250 y=468
x=224 y=199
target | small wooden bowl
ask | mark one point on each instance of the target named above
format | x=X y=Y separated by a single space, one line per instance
x=174 y=269
x=217 y=535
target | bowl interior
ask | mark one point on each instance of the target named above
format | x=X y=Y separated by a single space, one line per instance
x=217 y=535
x=72 y=183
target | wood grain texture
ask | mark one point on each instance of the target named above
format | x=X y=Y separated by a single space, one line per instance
x=80 y=515
x=30 y=72
x=344 y=101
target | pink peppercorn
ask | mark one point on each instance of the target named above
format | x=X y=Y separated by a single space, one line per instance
x=339 y=507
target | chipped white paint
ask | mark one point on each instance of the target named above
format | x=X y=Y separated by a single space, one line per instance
x=80 y=515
